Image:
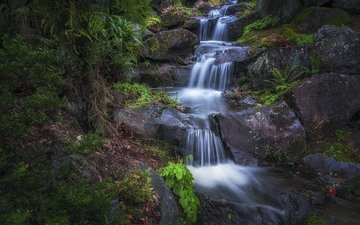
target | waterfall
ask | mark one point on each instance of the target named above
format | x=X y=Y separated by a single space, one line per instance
x=205 y=26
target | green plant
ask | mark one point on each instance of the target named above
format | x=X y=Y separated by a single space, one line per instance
x=88 y=143
x=315 y=64
x=249 y=7
x=340 y=152
x=315 y=220
x=300 y=39
x=286 y=79
x=342 y=135
x=180 y=180
x=266 y=22
x=267 y=97
x=144 y=96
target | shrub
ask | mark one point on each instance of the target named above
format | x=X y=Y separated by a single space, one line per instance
x=180 y=180
x=144 y=96
x=266 y=22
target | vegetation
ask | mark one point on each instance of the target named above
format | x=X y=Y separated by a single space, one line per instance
x=298 y=38
x=180 y=180
x=315 y=220
x=249 y=7
x=87 y=143
x=266 y=22
x=144 y=96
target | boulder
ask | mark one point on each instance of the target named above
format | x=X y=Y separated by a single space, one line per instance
x=165 y=75
x=348 y=5
x=203 y=6
x=329 y=166
x=338 y=49
x=160 y=5
x=156 y=121
x=285 y=10
x=167 y=45
x=169 y=209
x=263 y=133
x=192 y=24
x=172 y=18
x=281 y=58
x=292 y=209
x=325 y=102
x=236 y=27
x=311 y=19
x=235 y=8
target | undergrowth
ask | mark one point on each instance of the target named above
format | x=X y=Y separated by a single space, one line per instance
x=266 y=22
x=144 y=96
x=180 y=180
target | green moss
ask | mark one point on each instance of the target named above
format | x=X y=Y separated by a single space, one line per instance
x=341 y=152
x=88 y=143
x=266 y=22
x=342 y=135
x=267 y=97
x=144 y=96
x=315 y=220
x=305 y=15
x=249 y=7
x=300 y=39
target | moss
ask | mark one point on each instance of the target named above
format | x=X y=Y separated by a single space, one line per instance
x=300 y=39
x=304 y=16
x=342 y=135
x=249 y=7
x=266 y=22
x=315 y=220
x=341 y=152
x=144 y=96
x=153 y=44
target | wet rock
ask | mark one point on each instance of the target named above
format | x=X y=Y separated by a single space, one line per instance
x=329 y=166
x=170 y=213
x=260 y=70
x=293 y=209
x=235 y=8
x=311 y=19
x=203 y=6
x=348 y=5
x=223 y=53
x=263 y=133
x=236 y=28
x=156 y=121
x=325 y=102
x=171 y=44
x=283 y=9
x=172 y=18
x=192 y=24
x=338 y=49
x=165 y=75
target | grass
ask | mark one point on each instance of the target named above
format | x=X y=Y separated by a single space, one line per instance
x=143 y=96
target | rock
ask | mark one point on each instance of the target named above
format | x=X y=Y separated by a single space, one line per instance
x=157 y=121
x=329 y=166
x=168 y=45
x=283 y=9
x=203 y=6
x=325 y=102
x=236 y=28
x=235 y=8
x=348 y=5
x=172 y=18
x=192 y=24
x=170 y=213
x=223 y=53
x=281 y=58
x=160 y=5
x=263 y=133
x=311 y=19
x=338 y=49
x=165 y=75
x=293 y=209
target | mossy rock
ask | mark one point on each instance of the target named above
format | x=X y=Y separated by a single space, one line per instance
x=311 y=19
x=348 y=5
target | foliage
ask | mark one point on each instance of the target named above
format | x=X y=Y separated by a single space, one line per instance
x=144 y=96
x=30 y=83
x=340 y=152
x=267 y=97
x=286 y=79
x=298 y=38
x=315 y=220
x=266 y=22
x=315 y=64
x=88 y=143
x=342 y=135
x=159 y=149
x=180 y=180
x=249 y=7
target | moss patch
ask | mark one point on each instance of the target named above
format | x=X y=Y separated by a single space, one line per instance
x=341 y=152
x=315 y=220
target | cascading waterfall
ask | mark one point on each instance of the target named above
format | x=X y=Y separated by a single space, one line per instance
x=206 y=74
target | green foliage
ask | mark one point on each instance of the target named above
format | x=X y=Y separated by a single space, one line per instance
x=340 y=152
x=340 y=18
x=298 y=38
x=266 y=22
x=134 y=10
x=144 y=96
x=267 y=97
x=88 y=143
x=315 y=64
x=315 y=220
x=286 y=79
x=342 y=135
x=30 y=82
x=180 y=180
x=249 y=7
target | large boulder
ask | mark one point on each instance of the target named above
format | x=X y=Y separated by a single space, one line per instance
x=292 y=209
x=269 y=133
x=338 y=49
x=165 y=75
x=156 y=121
x=311 y=19
x=285 y=10
x=281 y=58
x=172 y=18
x=325 y=102
x=348 y=5
x=167 y=45
x=235 y=29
